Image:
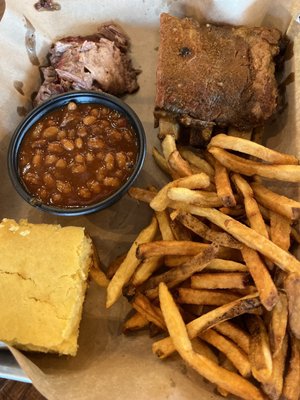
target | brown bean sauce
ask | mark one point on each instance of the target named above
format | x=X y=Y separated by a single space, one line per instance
x=77 y=155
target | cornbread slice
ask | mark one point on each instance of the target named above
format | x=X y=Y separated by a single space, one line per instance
x=43 y=273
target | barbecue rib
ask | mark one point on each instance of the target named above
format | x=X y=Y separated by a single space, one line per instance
x=223 y=75
x=98 y=62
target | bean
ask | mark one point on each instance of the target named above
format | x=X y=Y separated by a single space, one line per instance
x=36 y=160
x=90 y=157
x=38 y=144
x=61 y=163
x=104 y=124
x=109 y=161
x=72 y=106
x=42 y=192
x=84 y=193
x=50 y=132
x=94 y=186
x=121 y=159
x=32 y=178
x=37 y=131
x=50 y=159
x=100 y=155
x=95 y=143
x=71 y=134
x=55 y=147
x=67 y=144
x=100 y=174
x=119 y=173
x=121 y=122
x=82 y=132
x=111 y=181
x=104 y=111
x=61 y=134
x=79 y=158
x=78 y=169
x=48 y=180
x=56 y=197
x=51 y=122
x=116 y=135
x=78 y=143
x=127 y=137
x=89 y=120
x=63 y=187
x=94 y=112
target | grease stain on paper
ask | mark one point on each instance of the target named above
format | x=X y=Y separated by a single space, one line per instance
x=30 y=42
x=18 y=85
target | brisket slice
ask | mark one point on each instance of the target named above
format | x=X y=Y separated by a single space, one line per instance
x=97 y=62
x=222 y=75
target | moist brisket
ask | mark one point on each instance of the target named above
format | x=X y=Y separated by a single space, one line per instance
x=97 y=62
x=223 y=75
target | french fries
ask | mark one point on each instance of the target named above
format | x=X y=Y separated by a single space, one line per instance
x=96 y=272
x=223 y=254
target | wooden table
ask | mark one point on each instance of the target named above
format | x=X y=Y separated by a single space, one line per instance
x=12 y=390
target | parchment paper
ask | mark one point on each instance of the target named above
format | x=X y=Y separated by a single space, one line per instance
x=109 y=365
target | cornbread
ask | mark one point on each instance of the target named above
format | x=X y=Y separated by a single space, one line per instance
x=43 y=273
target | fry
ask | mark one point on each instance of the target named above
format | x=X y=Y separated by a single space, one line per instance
x=96 y=272
x=149 y=311
x=199 y=346
x=164 y=225
x=280 y=230
x=201 y=198
x=141 y=194
x=278 y=324
x=146 y=269
x=179 y=165
x=169 y=247
x=266 y=288
x=223 y=185
x=241 y=134
x=291 y=387
x=251 y=148
x=202 y=230
x=292 y=288
x=114 y=265
x=168 y=145
x=204 y=297
x=161 y=161
x=234 y=212
x=129 y=265
x=273 y=386
x=295 y=235
x=247 y=236
x=163 y=348
x=238 y=358
x=252 y=210
x=232 y=280
x=225 y=265
x=197 y=161
x=179 y=231
x=236 y=334
x=176 y=261
x=287 y=173
x=205 y=367
x=161 y=200
x=135 y=323
x=230 y=367
x=282 y=205
x=259 y=353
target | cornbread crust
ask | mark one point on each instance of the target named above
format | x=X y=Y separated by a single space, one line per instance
x=43 y=273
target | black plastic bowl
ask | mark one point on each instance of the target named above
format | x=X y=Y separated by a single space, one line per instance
x=58 y=101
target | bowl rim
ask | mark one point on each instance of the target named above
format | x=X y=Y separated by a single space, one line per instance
x=50 y=105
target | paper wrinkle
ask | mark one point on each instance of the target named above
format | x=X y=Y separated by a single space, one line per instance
x=110 y=365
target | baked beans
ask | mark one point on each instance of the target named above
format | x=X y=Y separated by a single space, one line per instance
x=77 y=155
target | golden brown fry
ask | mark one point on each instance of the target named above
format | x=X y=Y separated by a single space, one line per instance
x=114 y=265
x=238 y=211
x=161 y=200
x=141 y=194
x=247 y=236
x=259 y=353
x=226 y=265
x=273 y=386
x=225 y=363
x=235 y=333
x=148 y=310
x=280 y=230
x=164 y=225
x=179 y=165
x=223 y=185
x=199 y=346
x=146 y=269
x=135 y=323
x=221 y=280
x=282 y=205
x=266 y=288
x=161 y=161
x=179 y=231
x=278 y=324
x=291 y=387
x=202 y=230
x=163 y=348
x=176 y=261
x=99 y=276
x=251 y=207
x=129 y=265
x=198 y=197
x=169 y=247
x=168 y=145
x=205 y=367
x=292 y=288
x=238 y=358
x=205 y=297
x=254 y=149
x=295 y=235
x=197 y=161
x=240 y=134
x=287 y=173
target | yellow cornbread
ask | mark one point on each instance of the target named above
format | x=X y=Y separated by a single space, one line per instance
x=43 y=273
